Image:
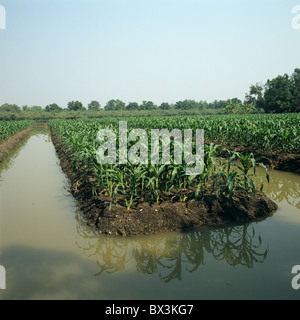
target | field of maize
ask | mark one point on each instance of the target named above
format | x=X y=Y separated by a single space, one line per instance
x=9 y=128
x=128 y=183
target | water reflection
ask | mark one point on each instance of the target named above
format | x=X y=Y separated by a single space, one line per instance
x=170 y=255
x=9 y=161
x=283 y=186
x=42 y=132
x=238 y=246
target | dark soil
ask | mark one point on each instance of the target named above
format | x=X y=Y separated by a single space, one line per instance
x=279 y=161
x=144 y=218
x=11 y=143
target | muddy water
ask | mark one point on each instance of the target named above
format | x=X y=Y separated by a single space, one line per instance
x=49 y=253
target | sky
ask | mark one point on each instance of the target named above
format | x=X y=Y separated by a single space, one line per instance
x=56 y=51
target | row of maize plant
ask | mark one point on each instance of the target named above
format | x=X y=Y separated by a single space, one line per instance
x=9 y=128
x=267 y=132
x=129 y=183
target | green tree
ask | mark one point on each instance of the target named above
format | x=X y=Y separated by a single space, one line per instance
x=256 y=96
x=53 y=107
x=114 y=104
x=10 y=108
x=202 y=105
x=235 y=107
x=165 y=106
x=218 y=104
x=278 y=94
x=94 y=105
x=36 y=108
x=75 y=106
x=132 y=106
x=295 y=103
x=186 y=105
x=147 y=105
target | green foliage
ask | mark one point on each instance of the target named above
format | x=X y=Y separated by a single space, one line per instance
x=128 y=183
x=75 y=106
x=132 y=106
x=239 y=108
x=186 y=105
x=94 y=105
x=53 y=107
x=296 y=91
x=114 y=105
x=9 y=128
x=165 y=106
x=147 y=105
x=278 y=95
x=10 y=108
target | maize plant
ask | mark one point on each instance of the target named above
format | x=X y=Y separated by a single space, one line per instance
x=129 y=183
x=9 y=128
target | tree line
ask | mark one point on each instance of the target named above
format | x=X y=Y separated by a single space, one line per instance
x=278 y=95
x=116 y=104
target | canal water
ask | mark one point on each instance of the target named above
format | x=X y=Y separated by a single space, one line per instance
x=49 y=253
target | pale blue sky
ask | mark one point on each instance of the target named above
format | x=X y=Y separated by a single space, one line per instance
x=135 y=50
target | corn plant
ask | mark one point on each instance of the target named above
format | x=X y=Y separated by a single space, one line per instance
x=9 y=128
x=130 y=183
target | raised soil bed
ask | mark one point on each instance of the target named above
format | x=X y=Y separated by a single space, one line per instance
x=144 y=218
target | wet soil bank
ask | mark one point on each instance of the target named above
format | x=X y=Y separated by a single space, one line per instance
x=144 y=218
x=11 y=143
x=278 y=161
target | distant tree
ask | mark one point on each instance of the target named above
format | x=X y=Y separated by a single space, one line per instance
x=278 y=94
x=235 y=101
x=10 y=108
x=132 y=106
x=147 y=105
x=36 y=108
x=165 y=106
x=256 y=96
x=25 y=108
x=94 y=105
x=75 y=106
x=53 y=107
x=186 y=105
x=114 y=104
x=295 y=103
x=202 y=105
x=218 y=104
x=236 y=107
x=180 y=105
